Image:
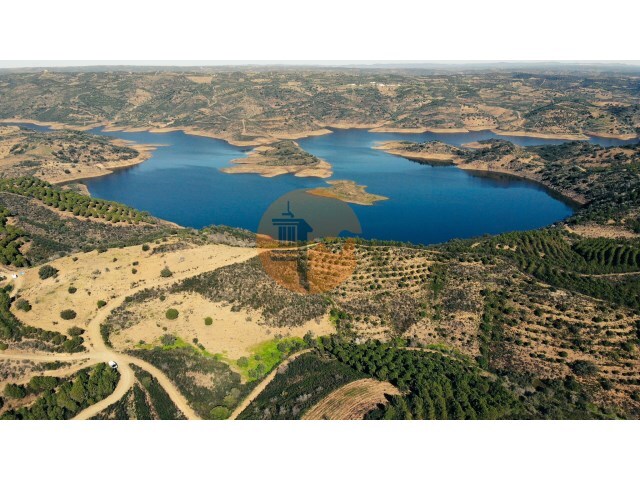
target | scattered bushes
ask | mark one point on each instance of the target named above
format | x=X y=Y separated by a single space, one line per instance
x=208 y=321
x=101 y=303
x=14 y=330
x=172 y=314
x=166 y=273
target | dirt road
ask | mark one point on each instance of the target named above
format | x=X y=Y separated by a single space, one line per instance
x=98 y=351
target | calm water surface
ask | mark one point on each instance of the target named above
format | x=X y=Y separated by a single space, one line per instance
x=428 y=204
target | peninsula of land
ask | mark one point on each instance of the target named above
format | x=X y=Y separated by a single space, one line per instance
x=281 y=158
x=65 y=156
x=426 y=152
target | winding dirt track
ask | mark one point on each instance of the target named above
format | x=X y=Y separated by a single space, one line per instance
x=98 y=351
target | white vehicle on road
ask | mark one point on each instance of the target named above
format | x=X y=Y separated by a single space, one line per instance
x=113 y=364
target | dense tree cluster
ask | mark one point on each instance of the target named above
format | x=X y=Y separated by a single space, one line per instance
x=62 y=402
x=73 y=202
x=435 y=386
x=581 y=265
x=12 y=239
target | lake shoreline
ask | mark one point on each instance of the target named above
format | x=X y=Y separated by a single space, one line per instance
x=324 y=129
x=145 y=151
x=575 y=201
x=409 y=233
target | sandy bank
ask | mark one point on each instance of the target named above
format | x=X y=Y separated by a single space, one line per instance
x=478 y=167
x=394 y=148
x=571 y=197
x=100 y=169
x=265 y=139
x=547 y=136
x=271 y=161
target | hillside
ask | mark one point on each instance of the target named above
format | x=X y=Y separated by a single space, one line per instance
x=541 y=324
x=257 y=106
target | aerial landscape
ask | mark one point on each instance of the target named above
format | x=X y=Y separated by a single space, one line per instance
x=461 y=243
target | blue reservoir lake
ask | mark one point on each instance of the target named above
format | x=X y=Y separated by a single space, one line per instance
x=427 y=204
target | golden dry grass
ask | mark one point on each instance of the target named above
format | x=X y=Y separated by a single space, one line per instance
x=98 y=277
x=351 y=401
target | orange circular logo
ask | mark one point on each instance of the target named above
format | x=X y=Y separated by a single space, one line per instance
x=297 y=242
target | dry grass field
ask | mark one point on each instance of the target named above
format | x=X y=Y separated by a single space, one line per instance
x=103 y=276
x=352 y=401
x=233 y=333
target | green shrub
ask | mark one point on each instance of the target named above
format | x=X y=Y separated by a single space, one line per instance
x=101 y=303
x=172 y=314
x=73 y=290
x=208 y=321
x=165 y=272
x=23 y=305
x=68 y=314
x=583 y=368
x=145 y=248
x=243 y=362
x=134 y=270
x=219 y=413
x=12 y=390
x=41 y=383
x=75 y=331
x=3 y=346
x=47 y=271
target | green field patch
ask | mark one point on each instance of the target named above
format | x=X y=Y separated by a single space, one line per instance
x=265 y=356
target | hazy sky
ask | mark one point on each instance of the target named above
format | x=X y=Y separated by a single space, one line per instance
x=76 y=63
